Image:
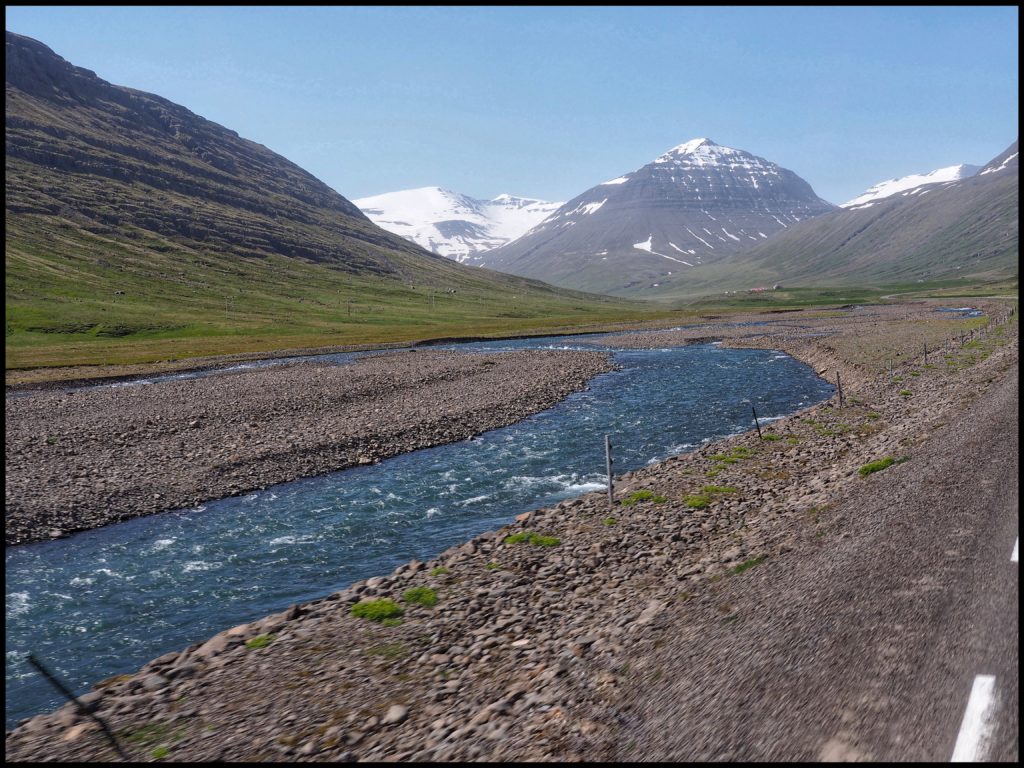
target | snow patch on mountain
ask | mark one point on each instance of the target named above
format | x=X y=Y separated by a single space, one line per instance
x=454 y=225
x=1004 y=164
x=910 y=185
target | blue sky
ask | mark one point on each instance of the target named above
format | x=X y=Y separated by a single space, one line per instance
x=547 y=102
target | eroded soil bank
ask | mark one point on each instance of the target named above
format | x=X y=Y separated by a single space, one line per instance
x=540 y=651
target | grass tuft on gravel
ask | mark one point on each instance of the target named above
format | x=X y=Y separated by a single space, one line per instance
x=876 y=466
x=420 y=596
x=377 y=610
x=533 y=539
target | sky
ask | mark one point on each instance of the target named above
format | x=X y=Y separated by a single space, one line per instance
x=546 y=102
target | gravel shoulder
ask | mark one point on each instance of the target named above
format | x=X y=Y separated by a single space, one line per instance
x=77 y=460
x=570 y=650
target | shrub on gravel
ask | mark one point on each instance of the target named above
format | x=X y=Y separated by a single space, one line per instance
x=377 y=610
x=697 y=500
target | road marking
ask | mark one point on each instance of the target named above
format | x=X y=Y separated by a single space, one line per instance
x=1013 y=557
x=976 y=728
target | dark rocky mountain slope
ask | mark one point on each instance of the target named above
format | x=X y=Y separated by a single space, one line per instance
x=699 y=203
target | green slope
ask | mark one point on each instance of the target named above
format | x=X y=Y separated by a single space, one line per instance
x=139 y=231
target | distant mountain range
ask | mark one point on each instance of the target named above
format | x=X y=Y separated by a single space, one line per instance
x=454 y=225
x=910 y=185
x=949 y=230
x=696 y=204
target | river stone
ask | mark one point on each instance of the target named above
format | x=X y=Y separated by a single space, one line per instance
x=395 y=714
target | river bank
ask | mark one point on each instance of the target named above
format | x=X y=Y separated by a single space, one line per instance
x=529 y=649
x=80 y=460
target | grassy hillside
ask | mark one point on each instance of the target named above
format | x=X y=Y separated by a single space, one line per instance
x=76 y=297
x=138 y=231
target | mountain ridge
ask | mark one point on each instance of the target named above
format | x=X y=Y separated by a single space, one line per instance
x=910 y=185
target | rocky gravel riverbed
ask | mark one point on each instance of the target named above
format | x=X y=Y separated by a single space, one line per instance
x=77 y=460
x=533 y=647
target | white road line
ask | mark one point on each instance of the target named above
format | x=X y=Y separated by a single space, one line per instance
x=1013 y=557
x=976 y=728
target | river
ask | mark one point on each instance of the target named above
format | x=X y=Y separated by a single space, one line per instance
x=105 y=602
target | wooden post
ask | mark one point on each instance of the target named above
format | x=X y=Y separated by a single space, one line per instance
x=755 y=422
x=608 y=466
x=839 y=385
x=926 y=353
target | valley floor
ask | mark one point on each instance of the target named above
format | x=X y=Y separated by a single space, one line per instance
x=767 y=598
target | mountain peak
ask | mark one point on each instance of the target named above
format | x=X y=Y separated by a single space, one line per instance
x=700 y=151
x=691 y=146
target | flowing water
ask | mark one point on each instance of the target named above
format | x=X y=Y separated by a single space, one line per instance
x=105 y=602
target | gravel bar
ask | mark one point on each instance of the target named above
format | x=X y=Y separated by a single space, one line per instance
x=78 y=460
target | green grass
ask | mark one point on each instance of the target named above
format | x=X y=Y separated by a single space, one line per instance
x=492 y=566
x=533 y=539
x=440 y=571
x=609 y=521
x=159 y=753
x=420 y=596
x=876 y=466
x=746 y=565
x=260 y=641
x=643 y=496
x=377 y=610
x=771 y=437
x=906 y=392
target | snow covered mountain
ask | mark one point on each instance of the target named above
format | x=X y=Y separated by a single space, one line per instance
x=697 y=203
x=910 y=185
x=454 y=225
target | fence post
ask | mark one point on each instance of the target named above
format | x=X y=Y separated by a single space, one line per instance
x=51 y=678
x=839 y=385
x=755 y=422
x=608 y=466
